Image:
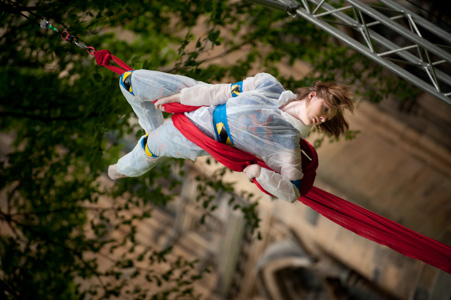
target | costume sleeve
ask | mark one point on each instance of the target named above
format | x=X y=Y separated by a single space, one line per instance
x=216 y=94
x=205 y=94
x=278 y=185
x=252 y=83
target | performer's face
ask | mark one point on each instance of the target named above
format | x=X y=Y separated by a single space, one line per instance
x=316 y=111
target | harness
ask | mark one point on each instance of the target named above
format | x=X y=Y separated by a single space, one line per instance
x=220 y=123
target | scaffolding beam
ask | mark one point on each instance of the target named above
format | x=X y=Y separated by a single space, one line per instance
x=387 y=29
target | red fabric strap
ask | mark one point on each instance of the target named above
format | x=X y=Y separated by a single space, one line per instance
x=103 y=58
x=379 y=229
x=232 y=158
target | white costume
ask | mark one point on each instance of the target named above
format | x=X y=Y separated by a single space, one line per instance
x=255 y=125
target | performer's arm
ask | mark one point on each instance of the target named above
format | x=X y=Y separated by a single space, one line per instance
x=205 y=94
x=216 y=94
x=274 y=183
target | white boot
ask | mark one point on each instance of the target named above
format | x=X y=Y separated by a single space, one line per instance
x=136 y=162
x=113 y=173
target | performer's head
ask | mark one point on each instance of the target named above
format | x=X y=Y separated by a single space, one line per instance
x=325 y=103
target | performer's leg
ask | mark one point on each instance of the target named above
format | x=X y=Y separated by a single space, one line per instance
x=164 y=142
x=142 y=87
x=148 y=116
x=169 y=142
x=134 y=163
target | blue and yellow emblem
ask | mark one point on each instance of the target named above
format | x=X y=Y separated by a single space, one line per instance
x=126 y=81
x=222 y=132
x=146 y=148
x=236 y=88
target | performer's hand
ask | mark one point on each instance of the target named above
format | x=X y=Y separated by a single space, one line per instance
x=169 y=99
x=252 y=171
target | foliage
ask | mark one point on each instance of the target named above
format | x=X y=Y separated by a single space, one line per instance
x=66 y=117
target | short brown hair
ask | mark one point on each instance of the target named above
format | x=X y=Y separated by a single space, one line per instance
x=335 y=95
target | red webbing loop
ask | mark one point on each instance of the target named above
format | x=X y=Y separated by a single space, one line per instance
x=103 y=58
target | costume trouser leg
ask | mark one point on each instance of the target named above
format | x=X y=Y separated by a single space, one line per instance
x=144 y=87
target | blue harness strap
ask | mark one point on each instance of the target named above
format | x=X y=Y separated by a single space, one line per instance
x=221 y=126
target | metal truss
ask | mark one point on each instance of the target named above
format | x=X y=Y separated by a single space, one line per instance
x=391 y=35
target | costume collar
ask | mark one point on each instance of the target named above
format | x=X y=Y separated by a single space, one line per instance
x=285 y=97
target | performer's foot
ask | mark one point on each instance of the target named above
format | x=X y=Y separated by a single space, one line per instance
x=113 y=174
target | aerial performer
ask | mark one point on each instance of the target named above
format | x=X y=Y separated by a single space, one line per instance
x=257 y=116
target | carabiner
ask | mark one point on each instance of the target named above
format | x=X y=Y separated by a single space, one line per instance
x=65 y=37
x=69 y=37
x=74 y=40
x=91 y=50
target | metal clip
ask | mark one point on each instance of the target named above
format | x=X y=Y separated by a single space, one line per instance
x=74 y=40
x=292 y=7
x=81 y=45
x=46 y=25
x=69 y=37
x=90 y=50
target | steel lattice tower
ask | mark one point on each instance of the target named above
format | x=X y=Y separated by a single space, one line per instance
x=407 y=46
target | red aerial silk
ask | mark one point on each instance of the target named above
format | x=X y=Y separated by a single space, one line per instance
x=379 y=229
x=352 y=217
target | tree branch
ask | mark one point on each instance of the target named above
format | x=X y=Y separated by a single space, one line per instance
x=77 y=254
x=7 y=218
x=8 y=289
